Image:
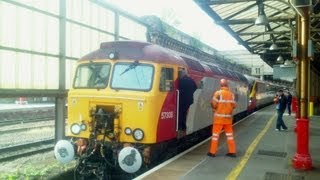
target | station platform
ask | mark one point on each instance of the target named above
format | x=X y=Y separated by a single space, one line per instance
x=262 y=153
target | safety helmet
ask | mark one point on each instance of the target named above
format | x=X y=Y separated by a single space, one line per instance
x=224 y=83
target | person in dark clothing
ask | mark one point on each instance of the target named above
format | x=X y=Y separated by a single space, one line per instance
x=187 y=87
x=281 y=101
x=289 y=100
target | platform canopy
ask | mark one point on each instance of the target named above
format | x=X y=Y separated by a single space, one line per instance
x=276 y=25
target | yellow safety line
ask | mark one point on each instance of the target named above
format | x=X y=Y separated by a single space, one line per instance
x=237 y=169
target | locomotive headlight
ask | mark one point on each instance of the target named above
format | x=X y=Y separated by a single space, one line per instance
x=138 y=134
x=75 y=128
x=127 y=131
x=83 y=127
x=113 y=55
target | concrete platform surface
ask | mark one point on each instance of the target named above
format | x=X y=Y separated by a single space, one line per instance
x=262 y=153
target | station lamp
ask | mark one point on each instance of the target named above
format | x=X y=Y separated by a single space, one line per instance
x=288 y=62
x=280 y=59
x=262 y=18
x=273 y=47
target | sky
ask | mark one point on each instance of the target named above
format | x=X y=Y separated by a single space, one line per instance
x=192 y=20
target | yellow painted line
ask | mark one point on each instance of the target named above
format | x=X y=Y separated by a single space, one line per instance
x=237 y=169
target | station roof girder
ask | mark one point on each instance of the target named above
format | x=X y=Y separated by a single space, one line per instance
x=238 y=18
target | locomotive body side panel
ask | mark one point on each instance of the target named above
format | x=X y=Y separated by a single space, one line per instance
x=167 y=102
x=200 y=112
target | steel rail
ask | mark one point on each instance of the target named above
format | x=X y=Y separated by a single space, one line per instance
x=23 y=150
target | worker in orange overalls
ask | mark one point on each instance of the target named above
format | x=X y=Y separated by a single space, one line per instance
x=223 y=104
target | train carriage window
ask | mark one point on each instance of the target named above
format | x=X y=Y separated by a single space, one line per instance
x=166 y=80
x=269 y=88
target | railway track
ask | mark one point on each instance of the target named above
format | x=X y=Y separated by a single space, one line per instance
x=26 y=115
x=23 y=129
x=25 y=120
x=23 y=150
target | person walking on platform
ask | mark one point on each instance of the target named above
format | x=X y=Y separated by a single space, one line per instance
x=281 y=101
x=223 y=104
x=289 y=100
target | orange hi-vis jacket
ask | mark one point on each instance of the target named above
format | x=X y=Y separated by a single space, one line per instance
x=223 y=104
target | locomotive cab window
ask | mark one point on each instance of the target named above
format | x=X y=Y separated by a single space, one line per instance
x=132 y=76
x=92 y=75
x=166 y=79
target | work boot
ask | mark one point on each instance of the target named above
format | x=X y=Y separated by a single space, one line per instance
x=211 y=155
x=231 y=154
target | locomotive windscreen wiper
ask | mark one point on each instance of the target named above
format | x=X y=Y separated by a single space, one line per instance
x=131 y=66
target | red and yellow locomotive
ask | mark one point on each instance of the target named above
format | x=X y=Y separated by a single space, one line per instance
x=123 y=106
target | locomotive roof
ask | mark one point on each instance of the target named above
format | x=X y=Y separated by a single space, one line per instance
x=139 y=50
x=135 y=50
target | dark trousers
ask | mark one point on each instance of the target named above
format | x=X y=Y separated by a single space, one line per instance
x=183 y=110
x=280 y=122
x=289 y=108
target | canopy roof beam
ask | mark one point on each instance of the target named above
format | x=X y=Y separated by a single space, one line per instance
x=219 y=2
x=252 y=20
x=269 y=42
x=263 y=33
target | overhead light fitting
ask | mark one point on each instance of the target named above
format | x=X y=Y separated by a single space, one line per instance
x=273 y=47
x=286 y=62
x=262 y=18
x=280 y=59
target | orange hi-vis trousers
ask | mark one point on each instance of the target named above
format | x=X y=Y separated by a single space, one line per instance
x=216 y=130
